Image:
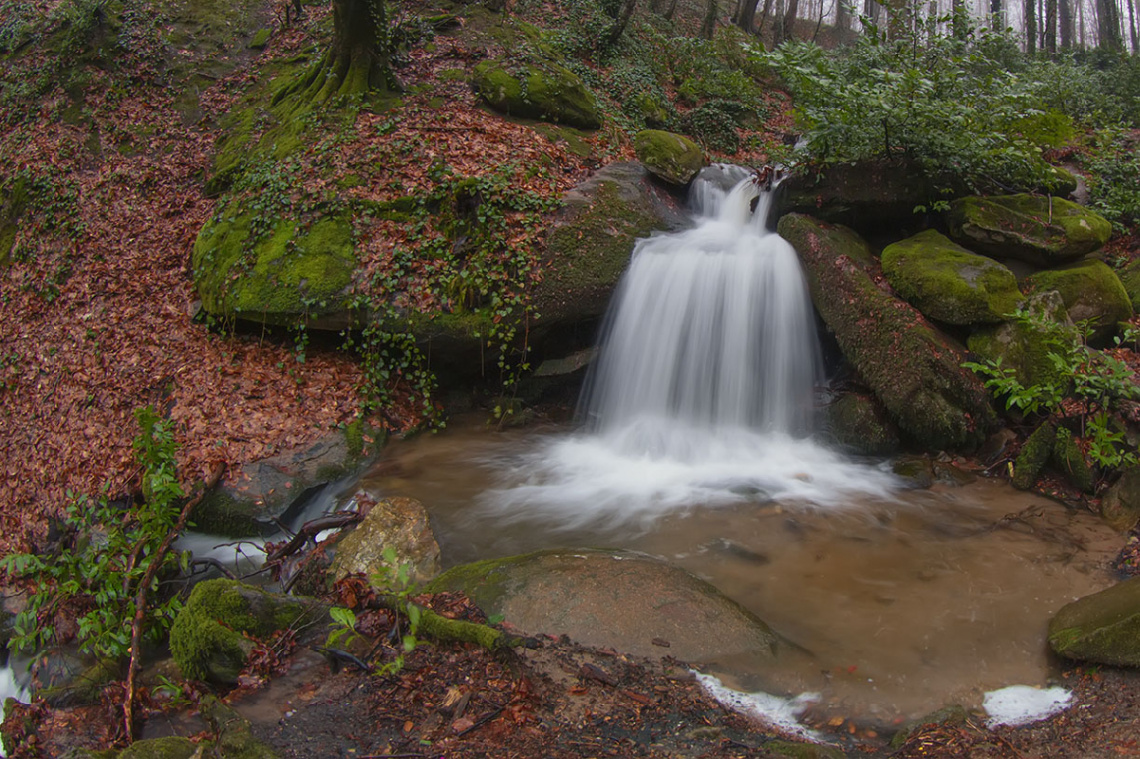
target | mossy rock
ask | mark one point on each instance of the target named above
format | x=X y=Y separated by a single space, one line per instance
x=948 y=283
x=1120 y=505
x=549 y=92
x=670 y=157
x=294 y=276
x=1129 y=277
x=170 y=747
x=793 y=750
x=1069 y=461
x=1022 y=348
x=952 y=715
x=260 y=39
x=590 y=240
x=1034 y=456
x=1044 y=231
x=85 y=688
x=212 y=635
x=235 y=739
x=861 y=425
x=914 y=371
x=400 y=524
x=1103 y=628
x=622 y=600
x=1091 y=291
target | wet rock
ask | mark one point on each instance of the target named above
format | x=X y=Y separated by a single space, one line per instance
x=86 y=687
x=537 y=90
x=234 y=735
x=1091 y=291
x=860 y=424
x=1034 y=455
x=208 y=639
x=917 y=471
x=1069 y=461
x=914 y=371
x=400 y=524
x=1043 y=231
x=1021 y=347
x=1120 y=505
x=948 y=283
x=1130 y=278
x=620 y=600
x=954 y=714
x=170 y=747
x=1102 y=628
x=671 y=157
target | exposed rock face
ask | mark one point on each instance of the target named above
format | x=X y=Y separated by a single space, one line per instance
x=1022 y=348
x=948 y=283
x=207 y=639
x=1120 y=506
x=549 y=92
x=1090 y=290
x=1102 y=628
x=913 y=370
x=670 y=157
x=1044 y=231
x=860 y=424
x=621 y=600
x=397 y=523
x=591 y=238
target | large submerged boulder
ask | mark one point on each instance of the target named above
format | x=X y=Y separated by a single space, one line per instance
x=1043 y=231
x=1091 y=291
x=913 y=370
x=948 y=283
x=546 y=91
x=670 y=157
x=1102 y=628
x=627 y=601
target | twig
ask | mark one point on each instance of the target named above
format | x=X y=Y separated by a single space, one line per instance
x=140 y=599
x=211 y=562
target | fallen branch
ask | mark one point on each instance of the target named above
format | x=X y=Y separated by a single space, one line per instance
x=310 y=530
x=141 y=594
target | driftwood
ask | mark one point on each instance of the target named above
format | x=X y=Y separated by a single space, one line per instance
x=140 y=599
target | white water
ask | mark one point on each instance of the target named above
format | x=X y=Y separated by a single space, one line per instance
x=703 y=386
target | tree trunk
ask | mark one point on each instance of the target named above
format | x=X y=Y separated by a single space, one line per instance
x=618 y=29
x=747 y=15
x=764 y=16
x=1108 y=25
x=672 y=10
x=1051 y=26
x=1030 y=27
x=1065 y=16
x=842 y=16
x=1132 y=26
x=789 y=20
x=708 y=26
x=997 y=15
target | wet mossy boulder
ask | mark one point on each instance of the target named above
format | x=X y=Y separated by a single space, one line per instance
x=168 y=747
x=1043 y=231
x=294 y=274
x=914 y=371
x=859 y=424
x=1129 y=277
x=211 y=637
x=948 y=283
x=1034 y=456
x=546 y=91
x=1019 y=346
x=1120 y=505
x=1069 y=461
x=1103 y=628
x=400 y=524
x=590 y=239
x=621 y=600
x=670 y=157
x=1091 y=291
x=235 y=739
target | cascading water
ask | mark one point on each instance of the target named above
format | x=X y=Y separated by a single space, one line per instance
x=702 y=390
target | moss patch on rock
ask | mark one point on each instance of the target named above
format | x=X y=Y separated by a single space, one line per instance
x=1020 y=347
x=294 y=274
x=860 y=424
x=545 y=91
x=1129 y=277
x=1120 y=506
x=1102 y=628
x=948 y=283
x=914 y=371
x=1034 y=455
x=1044 y=231
x=671 y=157
x=1091 y=291
x=1069 y=460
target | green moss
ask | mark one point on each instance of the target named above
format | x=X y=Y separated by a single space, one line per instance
x=795 y=750
x=235 y=735
x=86 y=688
x=260 y=39
x=671 y=157
x=1020 y=347
x=545 y=91
x=1129 y=277
x=1034 y=455
x=293 y=275
x=1070 y=461
x=1091 y=291
x=1103 y=627
x=221 y=514
x=948 y=283
x=170 y=747
x=859 y=424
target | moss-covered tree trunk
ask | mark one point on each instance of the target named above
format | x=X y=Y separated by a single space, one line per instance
x=356 y=62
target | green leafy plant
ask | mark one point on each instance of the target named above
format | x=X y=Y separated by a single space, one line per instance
x=343 y=626
x=96 y=578
x=395 y=579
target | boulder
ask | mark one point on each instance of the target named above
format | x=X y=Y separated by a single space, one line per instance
x=546 y=91
x=948 y=283
x=210 y=638
x=293 y=275
x=1120 y=505
x=1130 y=278
x=1069 y=461
x=590 y=240
x=860 y=424
x=1043 y=231
x=1091 y=291
x=1034 y=455
x=1102 y=628
x=620 y=600
x=914 y=371
x=397 y=523
x=670 y=157
x=1021 y=347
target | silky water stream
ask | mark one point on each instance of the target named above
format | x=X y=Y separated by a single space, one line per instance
x=694 y=445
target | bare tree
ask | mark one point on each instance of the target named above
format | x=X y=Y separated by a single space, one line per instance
x=1051 y=26
x=1065 y=16
x=1030 y=22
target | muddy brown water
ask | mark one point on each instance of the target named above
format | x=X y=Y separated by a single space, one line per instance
x=895 y=606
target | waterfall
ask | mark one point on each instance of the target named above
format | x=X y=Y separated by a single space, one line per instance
x=701 y=395
x=711 y=326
